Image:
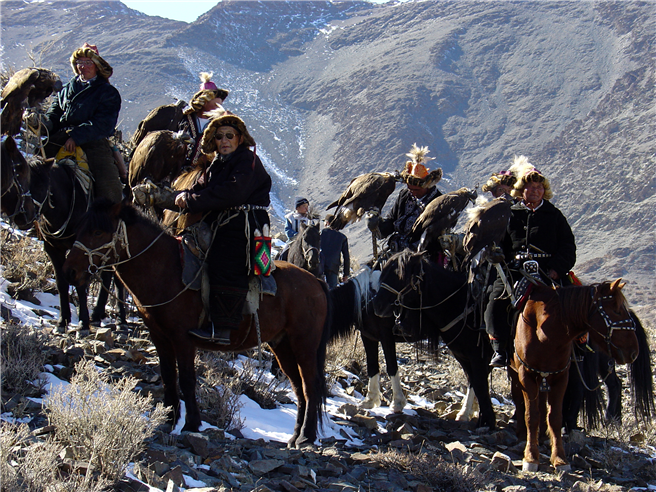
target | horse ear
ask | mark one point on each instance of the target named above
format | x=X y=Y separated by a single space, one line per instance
x=302 y=226
x=617 y=284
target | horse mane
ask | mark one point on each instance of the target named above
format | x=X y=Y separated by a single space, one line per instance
x=99 y=216
x=574 y=303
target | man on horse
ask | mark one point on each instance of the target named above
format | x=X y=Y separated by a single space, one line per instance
x=84 y=114
x=537 y=231
x=410 y=202
x=293 y=220
x=233 y=195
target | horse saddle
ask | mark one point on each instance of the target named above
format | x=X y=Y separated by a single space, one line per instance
x=522 y=288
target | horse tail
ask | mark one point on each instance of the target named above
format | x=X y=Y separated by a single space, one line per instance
x=345 y=318
x=592 y=405
x=321 y=386
x=640 y=377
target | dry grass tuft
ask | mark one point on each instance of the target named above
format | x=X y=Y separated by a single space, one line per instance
x=103 y=425
x=22 y=357
x=25 y=264
x=347 y=353
x=429 y=468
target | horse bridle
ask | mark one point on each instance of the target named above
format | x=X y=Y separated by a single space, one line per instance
x=308 y=250
x=119 y=238
x=20 y=205
x=611 y=326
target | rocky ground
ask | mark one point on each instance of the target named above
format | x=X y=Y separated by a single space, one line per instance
x=418 y=450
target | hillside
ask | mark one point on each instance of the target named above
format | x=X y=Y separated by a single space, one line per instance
x=334 y=89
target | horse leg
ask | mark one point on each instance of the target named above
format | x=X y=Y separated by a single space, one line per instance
x=477 y=370
x=466 y=406
x=57 y=258
x=555 y=421
x=518 y=398
x=532 y=418
x=98 y=313
x=120 y=294
x=373 y=397
x=185 y=356
x=287 y=362
x=399 y=400
x=613 y=390
x=169 y=372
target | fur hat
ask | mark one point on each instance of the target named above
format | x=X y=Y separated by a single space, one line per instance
x=501 y=178
x=208 y=91
x=91 y=51
x=416 y=173
x=527 y=173
x=208 y=144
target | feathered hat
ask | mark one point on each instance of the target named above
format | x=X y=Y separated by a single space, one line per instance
x=525 y=172
x=91 y=51
x=416 y=173
x=208 y=144
x=208 y=91
x=501 y=178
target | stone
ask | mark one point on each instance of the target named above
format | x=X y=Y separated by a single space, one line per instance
x=262 y=467
x=369 y=422
x=502 y=462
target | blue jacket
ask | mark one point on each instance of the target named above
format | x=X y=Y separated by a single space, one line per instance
x=89 y=111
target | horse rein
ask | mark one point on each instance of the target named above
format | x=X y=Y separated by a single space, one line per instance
x=20 y=205
x=623 y=324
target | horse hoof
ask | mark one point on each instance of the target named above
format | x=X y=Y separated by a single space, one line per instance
x=60 y=329
x=529 y=467
x=562 y=468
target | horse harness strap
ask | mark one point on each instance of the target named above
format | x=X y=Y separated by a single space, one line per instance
x=544 y=385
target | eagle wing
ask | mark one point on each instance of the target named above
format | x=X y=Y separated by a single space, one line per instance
x=165 y=117
x=440 y=215
x=486 y=226
x=160 y=155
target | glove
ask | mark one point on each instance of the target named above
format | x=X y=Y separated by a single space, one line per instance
x=496 y=255
x=372 y=219
x=33 y=119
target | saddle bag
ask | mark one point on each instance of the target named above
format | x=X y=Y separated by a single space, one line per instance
x=262 y=261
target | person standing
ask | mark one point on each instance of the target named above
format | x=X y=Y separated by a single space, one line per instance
x=334 y=248
x=233 y=195
x=84 y=114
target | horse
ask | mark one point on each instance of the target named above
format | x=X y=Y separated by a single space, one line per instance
x=549 y=323
x=436 y=304
x=14 y=180
x=60 y=201
x=295 y=322
x=596 y=368
x=305 y=249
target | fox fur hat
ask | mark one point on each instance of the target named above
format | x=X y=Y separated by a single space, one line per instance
x=416 y=173
x=208 y=144
x=91 y=51
x=501 y=178
x=525 y=173
x=208 y=91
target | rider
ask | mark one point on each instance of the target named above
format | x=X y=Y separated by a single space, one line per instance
x=410 y=202
x=84 y=114
x=537 y=227
x=293 y=220
x=207 y=99
x=500 y=184
x=233 y=195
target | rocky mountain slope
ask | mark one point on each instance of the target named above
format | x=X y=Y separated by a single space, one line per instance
x=334 y=89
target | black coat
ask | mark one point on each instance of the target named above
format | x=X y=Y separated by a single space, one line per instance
x=334 y=245
x=89 y=110
x=546 y=229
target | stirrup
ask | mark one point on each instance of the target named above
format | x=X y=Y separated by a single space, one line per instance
x=499 y=359
x=222 y=337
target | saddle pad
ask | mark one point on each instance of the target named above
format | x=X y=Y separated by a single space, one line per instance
x=259 y=285
x=191 y=265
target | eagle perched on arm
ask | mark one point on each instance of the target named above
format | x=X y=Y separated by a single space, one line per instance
x=25 y=89
x=160 y=155
x=364 y=193
x=440 y=215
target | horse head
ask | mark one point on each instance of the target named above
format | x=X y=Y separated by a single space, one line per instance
x=16 y=199
x=101 y=240
x=399 y=277
x=613 y=329
x=311 y=246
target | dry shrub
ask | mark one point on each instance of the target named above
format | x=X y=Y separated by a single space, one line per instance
x=218 y=391
x=258 y=383
x=346 y=353
x=103 y=424
x=25 y=263
x=430 y=468
x=32 y=465
x=22 y=356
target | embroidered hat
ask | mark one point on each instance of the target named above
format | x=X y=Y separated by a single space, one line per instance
x=91 y=51
x=501 y=178
x=208 y=91
x=208 y=144
x=527 y=173
x=416 y=173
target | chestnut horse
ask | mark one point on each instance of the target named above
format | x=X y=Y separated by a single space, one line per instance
x=295 y=322
x=549 y=323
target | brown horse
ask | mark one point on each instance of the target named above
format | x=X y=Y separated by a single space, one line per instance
x=295 y=322
x=16 y=201
x=549 y=323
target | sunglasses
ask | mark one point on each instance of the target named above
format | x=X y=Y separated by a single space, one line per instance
x=84 y=63
x=229 y=136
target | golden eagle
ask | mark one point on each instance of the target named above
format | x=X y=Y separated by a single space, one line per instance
x=440 y=215
x=25 y=89
x=364 y=193
x=486 y=226
x=160 y=156
x=165 y=117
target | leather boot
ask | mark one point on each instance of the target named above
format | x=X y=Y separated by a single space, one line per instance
x=226 y=313
x=500 y=357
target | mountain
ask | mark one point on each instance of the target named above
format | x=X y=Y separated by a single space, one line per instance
x=334 y=89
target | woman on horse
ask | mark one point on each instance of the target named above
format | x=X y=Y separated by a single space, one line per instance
x=538 y=230
x=233 y=195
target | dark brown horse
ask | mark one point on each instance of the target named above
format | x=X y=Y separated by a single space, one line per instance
x=549 y=323
x=295 y=322
x=15 y=202
x=305 y=249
